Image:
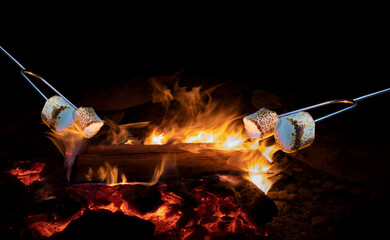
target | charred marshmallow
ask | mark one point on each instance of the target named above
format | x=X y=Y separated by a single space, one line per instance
x=88 y=122
x=58 y=114
x=294 y=132
x=261 y=124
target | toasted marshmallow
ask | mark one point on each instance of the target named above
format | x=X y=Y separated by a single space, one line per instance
x=58 y=114
x=294 y=132
x=88 y=122
x=261 y=124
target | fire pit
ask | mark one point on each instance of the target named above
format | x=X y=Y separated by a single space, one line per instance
x=178 y=164
x=192 y=174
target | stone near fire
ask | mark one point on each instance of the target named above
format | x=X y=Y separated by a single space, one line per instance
x=261 y=124
x=58 y=114
x=88 y=122
x=294 y=132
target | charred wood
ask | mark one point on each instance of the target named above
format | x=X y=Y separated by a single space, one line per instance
x=139 y=162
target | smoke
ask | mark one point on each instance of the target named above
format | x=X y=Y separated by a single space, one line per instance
x=70 y=144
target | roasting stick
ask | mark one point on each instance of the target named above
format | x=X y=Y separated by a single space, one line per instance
x=59 y=113
x=24 y=72
x=353 y=103
x=296 y=129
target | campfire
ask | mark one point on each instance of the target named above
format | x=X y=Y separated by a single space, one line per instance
x=192 y=165
x=195 y=174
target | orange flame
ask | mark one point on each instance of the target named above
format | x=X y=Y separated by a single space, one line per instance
x=156 y=139
x=198 y=119
x=192 y=117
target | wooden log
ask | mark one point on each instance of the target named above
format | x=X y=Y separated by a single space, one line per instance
x=139 y=162
x=125 y=149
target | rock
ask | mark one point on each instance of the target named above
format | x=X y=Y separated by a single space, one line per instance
x=305 y=192
x=315 y=182
x=342 y=187
x=283 y=207
x=283 y=195
x=291 y=188
x=319 y=220
x=273 y=195
x=340 y=155
x=307 y=204
x=327 y=185
x=291 y=197
x=298 y=170
x=356 y=191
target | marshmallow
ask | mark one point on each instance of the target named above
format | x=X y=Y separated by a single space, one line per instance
x=58 y=114
x=87 y=122
x=294 y=132
x=261 y=124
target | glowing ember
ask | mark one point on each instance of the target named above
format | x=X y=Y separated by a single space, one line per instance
x=47 y=227
x=28 y=176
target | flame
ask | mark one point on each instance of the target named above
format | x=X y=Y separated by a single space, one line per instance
x=192 y=117
x=70 y=144
x=156 y=139
x=111 y=176
x=196 y=118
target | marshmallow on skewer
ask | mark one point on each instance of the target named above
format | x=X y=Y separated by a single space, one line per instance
x=88 y=122
x=261 y=124
x=58 y=114
x=295 y=131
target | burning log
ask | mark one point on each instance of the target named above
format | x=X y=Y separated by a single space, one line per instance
x=139 y=162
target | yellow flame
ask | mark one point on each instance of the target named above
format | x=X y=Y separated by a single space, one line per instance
x=201 y=120
x=156 y=139
x=111 y=176
x=130 y=142
x=192 y=117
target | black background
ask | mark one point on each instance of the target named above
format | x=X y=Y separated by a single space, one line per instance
x=327 y=51
x=319 y=54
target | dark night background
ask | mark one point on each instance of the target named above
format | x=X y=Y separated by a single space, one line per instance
x=326 y=54
x=316 y=55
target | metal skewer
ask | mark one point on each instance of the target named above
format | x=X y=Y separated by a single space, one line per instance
x=23 y=71
x=353 y=103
